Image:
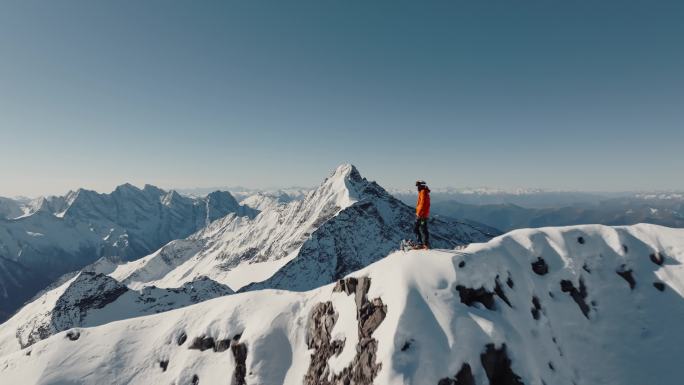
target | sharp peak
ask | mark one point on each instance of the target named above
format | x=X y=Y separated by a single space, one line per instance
x=347 y=184
x=220 y=193
x=344 y=170
x=126 y=186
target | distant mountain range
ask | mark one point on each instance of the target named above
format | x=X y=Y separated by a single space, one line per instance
x=56 y=235
x=615 y=211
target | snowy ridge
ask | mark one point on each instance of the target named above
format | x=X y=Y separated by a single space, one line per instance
x=578 y=305
x=90 y=299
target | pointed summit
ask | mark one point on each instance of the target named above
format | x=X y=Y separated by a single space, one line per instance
x=345 y=186
x=346 y=170
x=126 y=188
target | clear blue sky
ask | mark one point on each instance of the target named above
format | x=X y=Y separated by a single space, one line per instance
x=557 y=94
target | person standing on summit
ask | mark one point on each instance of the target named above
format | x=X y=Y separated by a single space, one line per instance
x=422 y=215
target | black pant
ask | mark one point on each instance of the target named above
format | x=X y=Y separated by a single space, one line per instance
x=421 y=230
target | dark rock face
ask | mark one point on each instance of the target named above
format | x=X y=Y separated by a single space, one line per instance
x=497 y=366
x=498 y=290
x=222 y=345
x=407 y=345
x=181 y=339
x=659 y=285
x=509 y=282
x=471 y=296
x=540 y=267
x=164 y=365
x=463 y=377
x=73 y=335
x=536 y=308
x=626 y=274
x=239 y=351
x=578 y=295
x=202 y=343
x=321 y=322
x=369 y=315
x=657 y=258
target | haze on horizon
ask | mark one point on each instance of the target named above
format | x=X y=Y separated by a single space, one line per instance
x=560 y=95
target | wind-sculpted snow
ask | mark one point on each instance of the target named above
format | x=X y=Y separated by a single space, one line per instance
x=345 y=224
x=63 y=234
x=409 y=312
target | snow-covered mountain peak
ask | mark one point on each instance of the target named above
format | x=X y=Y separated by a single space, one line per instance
x=345 y=186
x=344 y=224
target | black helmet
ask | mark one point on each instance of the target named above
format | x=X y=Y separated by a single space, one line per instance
x=420 y=183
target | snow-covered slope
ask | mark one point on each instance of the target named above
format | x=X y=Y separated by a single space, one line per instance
x=10 y=208
x=263 y=201
x=579 y=305
x=90 y=299
x=345 y=224
x=63 y=234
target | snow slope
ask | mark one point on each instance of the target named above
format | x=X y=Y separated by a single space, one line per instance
x=10 y=208
x=90 y=299
x=265 y=200
x=345 y=224
x=573 y=305
x=63 y=234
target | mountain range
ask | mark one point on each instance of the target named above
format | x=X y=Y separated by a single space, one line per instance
x=312 y=290
x=57 y=235
x=343 y=225
x=665 y=211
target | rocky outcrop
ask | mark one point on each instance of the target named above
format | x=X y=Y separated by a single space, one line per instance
x=239 y=351
x=470 y=296
x=88 y=291
x=369 y=315
x=540 y=267
x=578 y=295
x=627 y=275
x=497 y=365
x=463 y=377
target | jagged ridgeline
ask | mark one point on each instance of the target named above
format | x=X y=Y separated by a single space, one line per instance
x=568 y=306
x=62 y=234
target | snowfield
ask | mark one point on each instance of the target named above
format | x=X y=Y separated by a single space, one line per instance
x=581 y=305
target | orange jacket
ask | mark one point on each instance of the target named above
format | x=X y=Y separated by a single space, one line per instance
x=423 y=204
